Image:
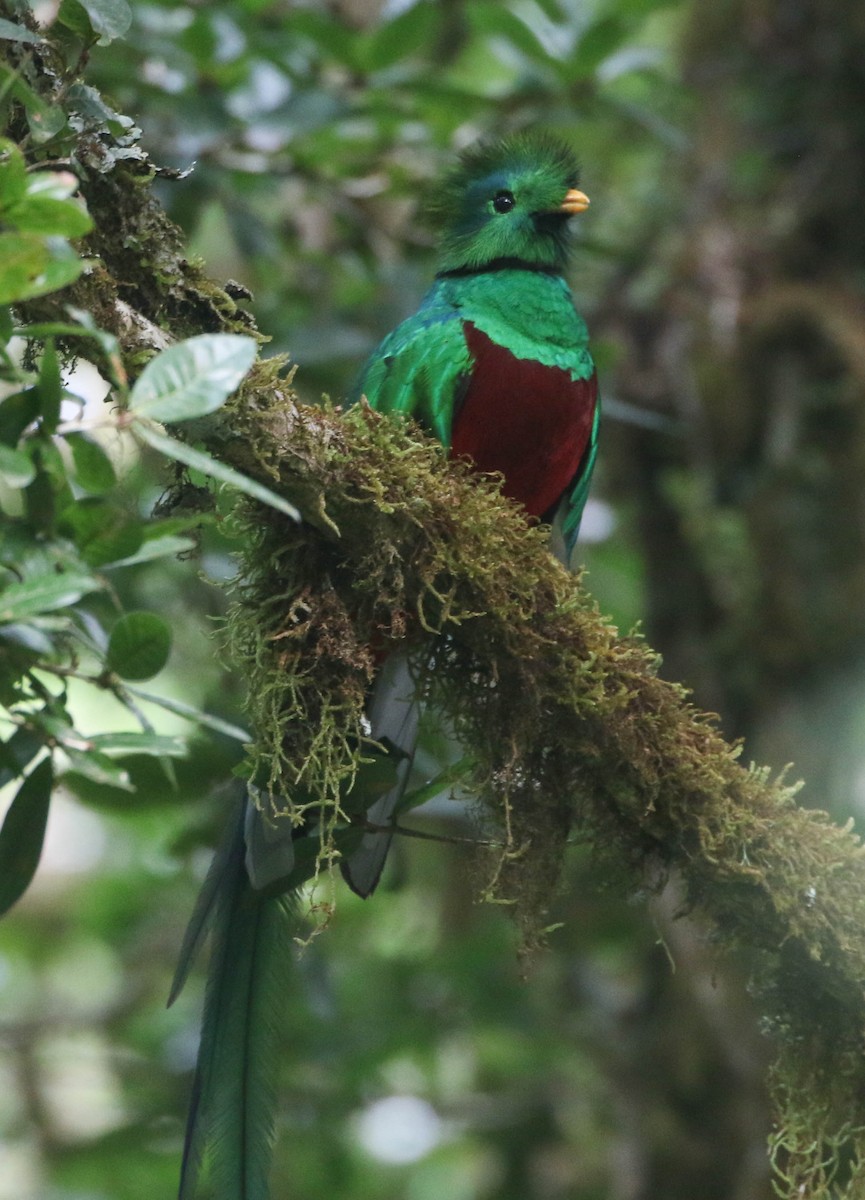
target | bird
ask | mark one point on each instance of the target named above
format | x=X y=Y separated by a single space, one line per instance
x=495 y=364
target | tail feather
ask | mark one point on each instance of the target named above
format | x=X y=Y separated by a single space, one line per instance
x=393 y=713
x=231 y=1116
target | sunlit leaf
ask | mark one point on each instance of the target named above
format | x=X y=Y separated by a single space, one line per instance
x=192 y=378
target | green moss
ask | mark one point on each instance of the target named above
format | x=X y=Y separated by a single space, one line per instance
x=573 y=734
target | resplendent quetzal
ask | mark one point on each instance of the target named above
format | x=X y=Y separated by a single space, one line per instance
x=495 y=364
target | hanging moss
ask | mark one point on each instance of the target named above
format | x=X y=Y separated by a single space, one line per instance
x=573 y=733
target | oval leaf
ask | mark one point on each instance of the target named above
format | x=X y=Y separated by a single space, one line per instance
x=93 y=468
x=193 y=378
x=23 y=833
x=16 y=468
x=139 y=646
x=110 y=18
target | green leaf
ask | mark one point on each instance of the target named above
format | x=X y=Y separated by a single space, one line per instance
x=94 y=470
x=16 y=468
x=45 y=215
x=598 y=42
x=404 y=35
x=16 y=413
x=74 y=16
x=108 y=18
x=23 y=833
x=63 y=267
x=52 y=185
x=13 y=174
x=200 y=461
x=158 y=547
x=139 y=646
x=181 y=709
x=159 y=745
x=45 y=593
x=10 y=32
x=142 y=776
x=31 y=265
x=102 y=532
x=193 y=378
x=23 y=259
x=28 y=637
x=496 y=20
x=97 y=767
x=50 y=387
x=18 y=752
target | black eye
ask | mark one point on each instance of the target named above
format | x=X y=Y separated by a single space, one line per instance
x=504 y=202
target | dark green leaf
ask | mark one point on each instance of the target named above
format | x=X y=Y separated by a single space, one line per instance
x=404 y=35
x=102 y=532
x=16 y=413
x=50 y=387
x=23 y=833
x=139 y=646
x=18 y=752
x=193 y=378
x=94 y=470
x=598 y=42
x=74 y=16
x=200 y=461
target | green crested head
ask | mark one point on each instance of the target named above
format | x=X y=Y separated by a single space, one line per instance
x=508 y=200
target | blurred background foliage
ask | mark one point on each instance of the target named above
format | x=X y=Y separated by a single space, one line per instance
x=720 y=268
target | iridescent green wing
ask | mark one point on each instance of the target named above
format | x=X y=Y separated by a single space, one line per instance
x=573 y=513
x=422 y=368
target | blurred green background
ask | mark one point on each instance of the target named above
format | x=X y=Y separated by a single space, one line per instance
x=720 y=269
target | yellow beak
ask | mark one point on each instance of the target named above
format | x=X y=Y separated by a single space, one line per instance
x=574 y=202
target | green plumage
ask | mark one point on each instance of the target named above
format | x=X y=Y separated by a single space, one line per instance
x=495 y=364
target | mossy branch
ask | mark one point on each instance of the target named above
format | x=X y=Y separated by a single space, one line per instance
x=573 y=733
